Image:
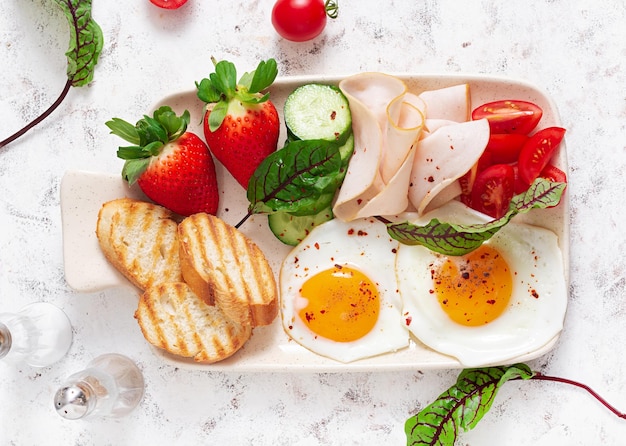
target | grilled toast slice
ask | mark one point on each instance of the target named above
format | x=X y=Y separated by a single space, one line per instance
x=140 y=240
x=174 y=318
x=225 y=268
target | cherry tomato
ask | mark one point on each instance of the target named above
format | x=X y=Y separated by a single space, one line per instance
x=553 y=174
x=467 y=182
x=168 y=4
x=537 y=151
x=505 y=148
x=509 y=116
x=300 y=20
x=520 y=186
x=493 y=190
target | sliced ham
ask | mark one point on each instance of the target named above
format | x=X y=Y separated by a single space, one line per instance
x=443 y=157
x=387 y=120
x=410 y=150
x=449 y=103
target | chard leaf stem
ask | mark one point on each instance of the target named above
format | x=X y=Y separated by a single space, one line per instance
x=44 y=115
x=585 y=387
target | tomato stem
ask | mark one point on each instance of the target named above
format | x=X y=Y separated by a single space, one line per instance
x=43 y=116
x=332 y=8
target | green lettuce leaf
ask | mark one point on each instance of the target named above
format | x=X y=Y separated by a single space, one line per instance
x=462 y=406
x=458 y=239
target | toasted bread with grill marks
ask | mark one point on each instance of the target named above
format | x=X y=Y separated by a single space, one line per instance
x=172 y=317
x=140 y=240
x=225 y=268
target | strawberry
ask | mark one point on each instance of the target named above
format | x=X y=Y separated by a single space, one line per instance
x=173 y=167
x=241 y=124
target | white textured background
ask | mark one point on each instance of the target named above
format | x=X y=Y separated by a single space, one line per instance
x=575 y=50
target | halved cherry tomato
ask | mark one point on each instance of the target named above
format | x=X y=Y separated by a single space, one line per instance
x=553 y=174
x=493 y=190
x=504 y=148
x=168 y=4
x=537 y=151
x=509 y=116
x=467 y=182
x=520 y=186
x=485 y=160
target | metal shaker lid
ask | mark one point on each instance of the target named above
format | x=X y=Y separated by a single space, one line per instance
x=73 y=402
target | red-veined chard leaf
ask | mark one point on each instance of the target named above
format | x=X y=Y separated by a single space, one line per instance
x=86 y=42
x=462 y=406
x=293 y=178
x=458 y=239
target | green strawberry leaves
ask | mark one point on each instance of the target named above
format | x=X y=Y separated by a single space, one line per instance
x=458 y=239
x=462 y=406
x=262 y=77
x=221 y=87
x=293 y=178
x=148 y=137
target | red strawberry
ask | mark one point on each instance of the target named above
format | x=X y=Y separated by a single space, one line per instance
x=173 y=167
x=241 y=124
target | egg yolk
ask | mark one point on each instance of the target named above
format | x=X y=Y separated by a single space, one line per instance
x=474 y=289
x=343 y=304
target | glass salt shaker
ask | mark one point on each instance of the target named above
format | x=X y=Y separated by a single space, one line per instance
x=39 y=335
x=111 y=386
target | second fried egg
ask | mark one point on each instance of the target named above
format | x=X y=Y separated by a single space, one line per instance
x=503 y=300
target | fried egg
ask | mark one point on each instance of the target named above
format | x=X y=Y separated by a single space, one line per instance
x=339 y=295
x=506 y=299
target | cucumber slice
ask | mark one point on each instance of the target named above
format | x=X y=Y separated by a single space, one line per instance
x=318 y=111
x=292 y=229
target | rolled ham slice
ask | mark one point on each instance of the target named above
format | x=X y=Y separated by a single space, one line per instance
x=443 y=157
x=448 y=104
x=387 y=121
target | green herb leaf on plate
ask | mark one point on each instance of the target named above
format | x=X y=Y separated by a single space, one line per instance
x=462 y=406
x=293 y=178
x=459 y=239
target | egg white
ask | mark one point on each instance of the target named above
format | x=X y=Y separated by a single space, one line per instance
x=365 y=245
x=527 y=324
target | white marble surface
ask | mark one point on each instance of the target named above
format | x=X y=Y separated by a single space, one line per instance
x=574 y=50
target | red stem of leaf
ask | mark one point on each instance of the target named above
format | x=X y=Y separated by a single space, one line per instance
x=582 y=386
x=43 y=116
x=243 y=220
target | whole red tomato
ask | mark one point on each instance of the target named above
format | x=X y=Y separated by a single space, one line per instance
x=301 y=20
x=168 y=4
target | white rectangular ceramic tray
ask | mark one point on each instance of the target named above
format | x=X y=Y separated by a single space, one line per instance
x=270 y=349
